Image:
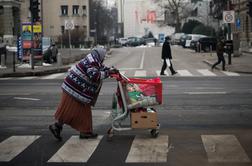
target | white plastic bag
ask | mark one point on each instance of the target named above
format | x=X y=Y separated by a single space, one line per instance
x=168 y=62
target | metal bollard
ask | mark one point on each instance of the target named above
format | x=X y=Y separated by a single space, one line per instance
x=2 y=60
x=59 y=59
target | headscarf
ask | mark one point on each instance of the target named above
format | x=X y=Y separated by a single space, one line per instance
x=99 y=53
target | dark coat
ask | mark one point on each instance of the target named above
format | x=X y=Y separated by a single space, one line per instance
x=220 y=47
x=166 y=50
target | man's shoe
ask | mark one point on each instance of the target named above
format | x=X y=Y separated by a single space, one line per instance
x=88 y=135
x=55 y=130
x=174 y=73
x=162 y=74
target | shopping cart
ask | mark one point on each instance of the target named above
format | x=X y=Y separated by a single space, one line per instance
x=134 y=98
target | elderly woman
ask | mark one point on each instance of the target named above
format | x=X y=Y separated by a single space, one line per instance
x=80 y=91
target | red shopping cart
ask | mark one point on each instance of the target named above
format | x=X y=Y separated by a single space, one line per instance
x=134 y=98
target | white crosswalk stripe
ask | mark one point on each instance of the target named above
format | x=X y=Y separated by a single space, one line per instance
x=230 y=73
x=206 y=72
x=149 y=150
x=184 y=73
x=219 y=149
x=224 y=148
x=76 y=150
x=14 y=145
x=140 y=73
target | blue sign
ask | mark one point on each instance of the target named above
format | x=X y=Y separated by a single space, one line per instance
x=238 y=23
x=161 y=37
x=19 y=49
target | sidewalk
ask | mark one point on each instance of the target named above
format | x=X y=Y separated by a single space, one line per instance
x=241 y=64
x=25 y=69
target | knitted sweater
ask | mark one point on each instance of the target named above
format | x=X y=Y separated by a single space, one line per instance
x=84 y=80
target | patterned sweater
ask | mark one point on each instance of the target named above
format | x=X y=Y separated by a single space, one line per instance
x=84 y=80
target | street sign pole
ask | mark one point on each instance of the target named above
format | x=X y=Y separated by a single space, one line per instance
x=229 y=35
x=69 y=25
x=32 y=50
x=70 y=46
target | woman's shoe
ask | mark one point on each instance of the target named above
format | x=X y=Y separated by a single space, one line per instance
x=88 y=135
x=56 y=130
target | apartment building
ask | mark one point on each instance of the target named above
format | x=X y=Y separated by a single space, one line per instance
x=55 y=13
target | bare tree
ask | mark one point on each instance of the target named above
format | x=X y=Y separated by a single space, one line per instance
x=178 y=9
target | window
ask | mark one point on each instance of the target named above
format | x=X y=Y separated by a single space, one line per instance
x=64 y=10
x=84 y=8
x=75 y=9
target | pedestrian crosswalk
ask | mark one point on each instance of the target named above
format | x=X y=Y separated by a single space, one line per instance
x=143 y=73
x=143 y=149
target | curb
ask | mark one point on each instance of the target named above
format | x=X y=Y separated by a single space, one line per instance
x=36 y=73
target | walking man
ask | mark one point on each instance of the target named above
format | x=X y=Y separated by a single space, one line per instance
x=166 y=56
x=220 y=52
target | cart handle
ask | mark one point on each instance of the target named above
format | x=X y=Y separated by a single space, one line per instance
x=119 y=77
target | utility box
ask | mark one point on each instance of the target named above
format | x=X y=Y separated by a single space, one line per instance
x=144 y=120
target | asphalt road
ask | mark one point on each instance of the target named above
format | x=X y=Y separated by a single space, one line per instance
x=205 y=120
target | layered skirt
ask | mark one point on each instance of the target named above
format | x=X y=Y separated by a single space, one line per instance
x=74 y=113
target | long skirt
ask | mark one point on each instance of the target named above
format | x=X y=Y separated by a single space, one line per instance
x=74 y=113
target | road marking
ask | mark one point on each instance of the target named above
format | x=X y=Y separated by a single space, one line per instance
x=142 y=60
x=140 y=73
x=145 y=149
x=26 y=78
x=224 y=148
x=52 y=76
x=206 y=72
x=7 y=78
x=14 y=145
x=205 y=93
x=184 y=73
x=76 y=150
x=25 y=98
x=230 y=73
x=158 y=72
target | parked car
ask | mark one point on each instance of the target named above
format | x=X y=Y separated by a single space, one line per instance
x=150 y=42
x=206 y=44
x=123 y=41
x=182 y=40
x=50 y=50
x=135 y=41
x=175 y=38
x=192 y=37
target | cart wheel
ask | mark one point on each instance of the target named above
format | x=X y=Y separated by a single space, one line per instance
x=154 y=133
x=110 y=134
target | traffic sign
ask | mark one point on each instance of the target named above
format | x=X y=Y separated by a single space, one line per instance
x=69 y=24
x=229 y=16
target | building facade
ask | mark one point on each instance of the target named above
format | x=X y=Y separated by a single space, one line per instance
x=53 y=14
x=242 y=28
x=140 y=17
x=9 y=18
